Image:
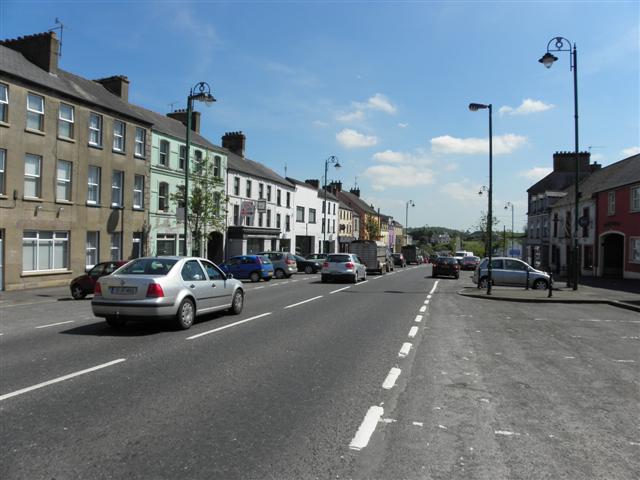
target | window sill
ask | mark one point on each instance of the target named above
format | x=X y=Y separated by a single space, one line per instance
x=138 y=209
x=66 y=139
x=64 y=202
x=45 y=272
x=140 y=157
x=35 y=132
x=117 y=207
x=119 y=152
x=94 y=205
x=97 y=147
x=5 y=124
x=32 y=199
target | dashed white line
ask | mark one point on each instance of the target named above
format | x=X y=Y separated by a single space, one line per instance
x=428 y=297
x=228 y=326
x=423 y=309
x=258 y=288
x=377 y=278
x=304 y=301
x=426 y=302
x=366 y=429
x=419 y=318
x=339 y=290
x=59 y=379
x=413 y=331
x=363 y=282
x=54 y=324
x=390 y=381
x=434 y=287
x=404 y=351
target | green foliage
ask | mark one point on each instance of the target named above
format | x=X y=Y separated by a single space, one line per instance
x=372 y=228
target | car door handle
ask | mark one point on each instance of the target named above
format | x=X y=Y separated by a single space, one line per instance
x=213 y=285
x=192 y=286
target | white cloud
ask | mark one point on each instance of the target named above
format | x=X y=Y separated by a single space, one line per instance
x=355 y=116
x=389 y=156
x=349 y=138
x=463 y=191
x=627 y=152
x=385 y=176
x=502 y=144
x=382 y=103
x=536 y=173
x=320 y=124
x=527 y=106
x=403 y=125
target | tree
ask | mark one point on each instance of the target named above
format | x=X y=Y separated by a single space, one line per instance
x=482 y=227
x=207 y=203
x=372 y=227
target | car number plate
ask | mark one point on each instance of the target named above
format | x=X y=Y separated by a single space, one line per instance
x=123 y=290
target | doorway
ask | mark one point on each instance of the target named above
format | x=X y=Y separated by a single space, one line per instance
x=613 y=255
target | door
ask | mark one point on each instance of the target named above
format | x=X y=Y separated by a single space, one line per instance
x=219 y=287
x=194 y=278
x=515 y=272
x=613 y=255
x=497 y=272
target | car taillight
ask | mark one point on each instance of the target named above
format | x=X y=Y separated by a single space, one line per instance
x=97 y=291
x=325 y=265
x=349 y=265
x=154 y=290
x=291 y=261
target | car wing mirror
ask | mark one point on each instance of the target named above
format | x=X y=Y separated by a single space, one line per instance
x=229 y=275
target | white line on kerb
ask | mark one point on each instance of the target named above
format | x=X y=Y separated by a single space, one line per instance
x=419 y=318
x=54 y=324
x=423 y=309
x=59 y=379
x=229 y=326
x=404 y=351
x=366 y=429
x=390 y=381
x=413 y=331
x=339 y=290
x=434 y=287
x=304 y=301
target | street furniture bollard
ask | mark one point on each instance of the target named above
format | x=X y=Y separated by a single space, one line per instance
x=550 y=294
x=527 y=283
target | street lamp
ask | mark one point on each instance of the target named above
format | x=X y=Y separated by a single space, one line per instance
x=333 y=160
x=474 y=107
x=406 y=221
x=202 y=93
x=506 y=207
x=561 y=44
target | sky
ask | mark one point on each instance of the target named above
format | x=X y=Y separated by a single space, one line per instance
x=382 y=85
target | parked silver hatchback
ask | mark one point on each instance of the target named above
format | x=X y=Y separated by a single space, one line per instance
x=343 y=266
x=179 y=287
x=510 y=272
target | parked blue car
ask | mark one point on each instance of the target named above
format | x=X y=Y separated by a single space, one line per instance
x=252 y=267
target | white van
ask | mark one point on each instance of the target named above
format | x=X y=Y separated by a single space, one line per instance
x=460 y=254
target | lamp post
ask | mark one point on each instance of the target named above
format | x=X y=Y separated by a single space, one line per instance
x=474 y=107
x=201 y=92
x=506 y=207
x=561 y=44
x=406 y=221
x=333 y=160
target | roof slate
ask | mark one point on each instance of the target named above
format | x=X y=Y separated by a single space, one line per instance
x=356 y=202
x=243 y=165
x=15 y=64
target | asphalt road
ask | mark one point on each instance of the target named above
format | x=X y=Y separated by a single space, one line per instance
x=324 y=381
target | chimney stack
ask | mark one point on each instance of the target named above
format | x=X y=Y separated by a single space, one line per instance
x=234 y=141
x=181 y=116
x=335 y=187
x=355 y=191
x=118 y=85
x=314 y=182
x=566 y=161
x=40 y=49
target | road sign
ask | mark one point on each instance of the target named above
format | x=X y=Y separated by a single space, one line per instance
x=247 y=208
x=262 y=205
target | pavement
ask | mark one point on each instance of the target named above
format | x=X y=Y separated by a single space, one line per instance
x=621 y=293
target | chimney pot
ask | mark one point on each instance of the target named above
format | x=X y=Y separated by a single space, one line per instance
x=41 y=49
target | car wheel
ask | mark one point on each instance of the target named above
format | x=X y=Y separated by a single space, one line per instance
x=186 y=314
x=237 y=303
x=116 y=322
x=308 y=269
x=540 y=284
x=77 y=292
x=280 y=273
x=482 y=283
x=268 y=279
x=457 y=276
x=355 y=278
x=254 y=277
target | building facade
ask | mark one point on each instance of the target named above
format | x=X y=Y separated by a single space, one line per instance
x=74 y=162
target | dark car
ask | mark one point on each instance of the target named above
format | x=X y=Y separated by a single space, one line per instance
x=308 y=266
x=447 y=266
x=252 y=267
x=469 y=263
x=85 y=284
x=398 y=259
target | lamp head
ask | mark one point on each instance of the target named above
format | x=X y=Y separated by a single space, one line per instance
x=337 y=165
x=548 y=59
x=474 y=107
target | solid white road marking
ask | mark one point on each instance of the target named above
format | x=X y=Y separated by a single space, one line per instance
x=228 y=326
x=339 y=290
x=434 y=287
x=419 y=318
x=404 y=351
x=390 y=381
x=304 y=301
x=54 y=324
x=366 y=429
x=364 y=281
x=59 y=379
x=423 y=309
x=413 y=331
x=377 y=278
x=258 y=288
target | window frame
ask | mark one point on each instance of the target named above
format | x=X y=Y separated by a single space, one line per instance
x=115 y=246
x=140 y=148
x=248 y=186
x=57 y=237
x=117 y=196
x=611 y=202
x=95 y=185
x=163 y=156
x=299 y=214
x=119 y=136
x=4 y=103
x=182 y=155
x=3 y=171
x=634 y=196
x=217 y=166
x=38 y=113
x=37 y=177
x=66 y=183
x=312 y=215
x=634 y=249
x=69 y=122
x=138 y=192
x=163 y=197
x=236 y=186
x=95 y=130
x=90 y=248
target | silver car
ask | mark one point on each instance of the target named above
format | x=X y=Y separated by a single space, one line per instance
x=510 y=272
x=178 y=287
x=343 y=266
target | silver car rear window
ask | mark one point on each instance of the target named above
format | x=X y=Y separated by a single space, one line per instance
x=338 y=258
x=148 y=266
